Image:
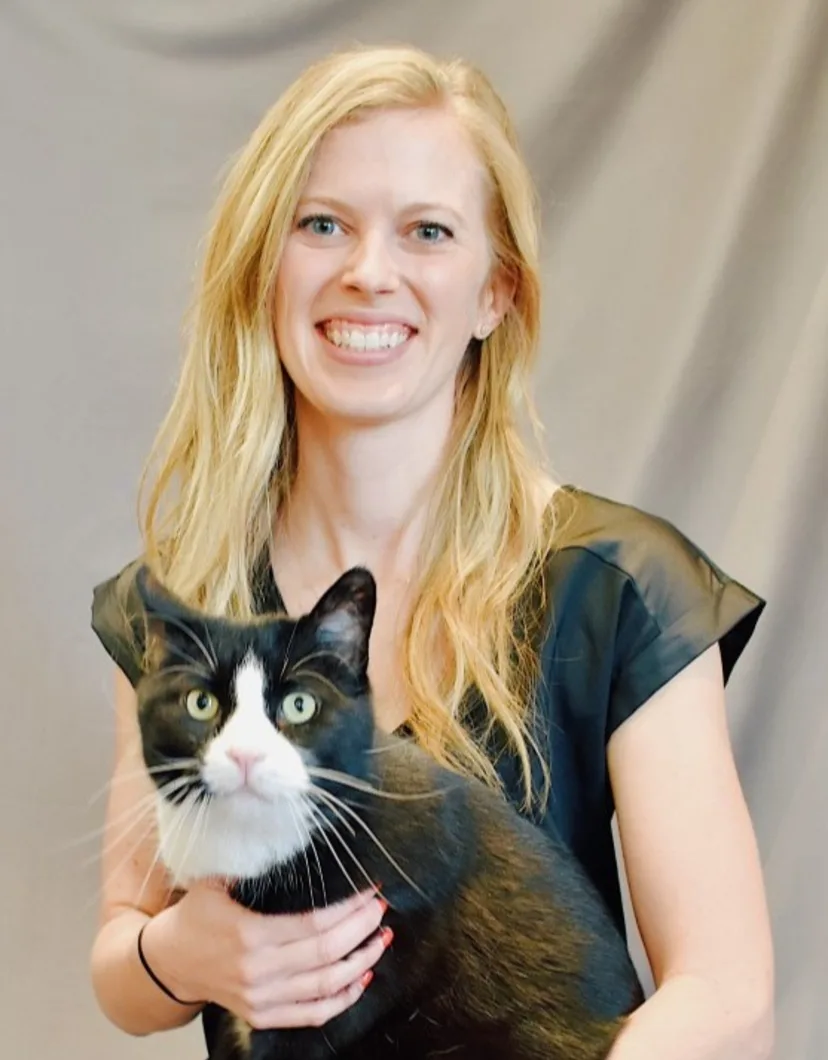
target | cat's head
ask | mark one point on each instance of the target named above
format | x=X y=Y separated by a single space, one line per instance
x=235 y=717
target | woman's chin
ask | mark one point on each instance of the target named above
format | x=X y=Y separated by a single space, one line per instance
x=360 y=405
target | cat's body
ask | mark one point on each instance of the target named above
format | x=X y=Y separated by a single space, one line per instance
x=502 y=947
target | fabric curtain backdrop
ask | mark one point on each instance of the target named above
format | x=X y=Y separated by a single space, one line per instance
x=682 y=152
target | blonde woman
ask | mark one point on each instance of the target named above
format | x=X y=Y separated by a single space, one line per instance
x=356 y=391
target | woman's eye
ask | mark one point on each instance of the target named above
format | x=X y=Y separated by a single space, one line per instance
x=319 y=225
x=201 y=705
x=299 y=707
x=432 y=232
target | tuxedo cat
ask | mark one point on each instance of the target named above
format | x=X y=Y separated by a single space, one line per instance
x=260 y=738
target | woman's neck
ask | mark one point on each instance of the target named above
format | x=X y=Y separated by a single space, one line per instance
x=361 y=494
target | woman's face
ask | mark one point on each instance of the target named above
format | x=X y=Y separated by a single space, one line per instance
x=388 y=272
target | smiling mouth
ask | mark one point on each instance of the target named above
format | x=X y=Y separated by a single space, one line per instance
x=365 y=338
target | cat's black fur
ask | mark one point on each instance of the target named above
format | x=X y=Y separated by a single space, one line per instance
x=502 y=947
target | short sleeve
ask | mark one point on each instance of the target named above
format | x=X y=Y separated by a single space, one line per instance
x=118 y=622
x=676 y=604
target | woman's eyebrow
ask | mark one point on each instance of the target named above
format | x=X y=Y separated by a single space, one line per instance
x=434 y=207
x=325 y=200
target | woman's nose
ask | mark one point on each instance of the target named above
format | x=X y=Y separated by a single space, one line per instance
x=372 y=266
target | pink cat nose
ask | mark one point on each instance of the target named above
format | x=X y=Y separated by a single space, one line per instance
x=245 y=758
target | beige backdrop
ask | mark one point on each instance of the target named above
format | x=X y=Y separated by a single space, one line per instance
x=682 y=151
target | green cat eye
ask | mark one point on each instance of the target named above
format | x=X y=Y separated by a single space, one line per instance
x=299 y=707
x=201 y=705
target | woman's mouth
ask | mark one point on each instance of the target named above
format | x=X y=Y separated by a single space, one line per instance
x=365 y=343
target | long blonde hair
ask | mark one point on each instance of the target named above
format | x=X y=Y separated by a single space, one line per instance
x=225 y=455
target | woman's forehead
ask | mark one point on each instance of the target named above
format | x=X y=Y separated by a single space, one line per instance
x=399 y=159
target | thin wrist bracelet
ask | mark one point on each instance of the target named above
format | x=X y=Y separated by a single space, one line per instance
x=155 y=978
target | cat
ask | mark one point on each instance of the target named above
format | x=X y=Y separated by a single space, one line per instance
x=260 y=738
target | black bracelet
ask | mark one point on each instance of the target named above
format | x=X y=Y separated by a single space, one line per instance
x=155 y=978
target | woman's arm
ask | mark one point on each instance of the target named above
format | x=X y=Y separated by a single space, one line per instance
x=695 y=879
x=134 y=887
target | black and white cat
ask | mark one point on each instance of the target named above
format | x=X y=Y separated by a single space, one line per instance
x=260 y=738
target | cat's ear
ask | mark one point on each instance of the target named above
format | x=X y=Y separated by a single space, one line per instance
x=343 y=617
x=169 y=622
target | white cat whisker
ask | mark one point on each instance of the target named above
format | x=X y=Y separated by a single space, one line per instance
x=156 y=860
x=315 y=678
x=325 y=825
x=193 y=664
x=132 y=814
x=173 y=621
x=143 y=770
x=193 y=804
x=344 y=842
x=308 y=841
x=317 y=816
x=321 y=654
x=348 y=781
x=198 y=806
x=287 y=652
x=214 y=653
x=195 y=668
x=145 y=835
x=174 y=763
x=321 y=794
x=123 y=836
x=118 y=778
x=371 y=835
x=312 y=845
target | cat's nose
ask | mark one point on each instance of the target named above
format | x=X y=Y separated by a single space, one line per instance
x=245 y=758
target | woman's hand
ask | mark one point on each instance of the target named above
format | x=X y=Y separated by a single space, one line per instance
x=272 y=971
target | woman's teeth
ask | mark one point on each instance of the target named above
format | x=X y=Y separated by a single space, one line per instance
x=356 y=337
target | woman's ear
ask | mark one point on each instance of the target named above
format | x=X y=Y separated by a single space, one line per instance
x=497 y=299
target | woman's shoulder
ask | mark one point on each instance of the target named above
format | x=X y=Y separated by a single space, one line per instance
x=632 y=588
x=665 y=569
x=620 y=535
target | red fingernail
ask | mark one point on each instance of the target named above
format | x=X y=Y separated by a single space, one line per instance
x=383 y=906
x=366 y=979
x=387 y=936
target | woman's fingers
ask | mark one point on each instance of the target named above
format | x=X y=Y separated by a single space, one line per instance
x=331 y=980
x=309 y=1013
x=318 y=951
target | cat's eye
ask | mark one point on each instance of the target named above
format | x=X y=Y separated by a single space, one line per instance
x=299 y=707
x=201 y=705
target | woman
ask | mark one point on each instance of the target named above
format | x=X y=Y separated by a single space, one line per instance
x=357 y=373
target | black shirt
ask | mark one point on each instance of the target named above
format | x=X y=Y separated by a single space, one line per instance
x=630 y=602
